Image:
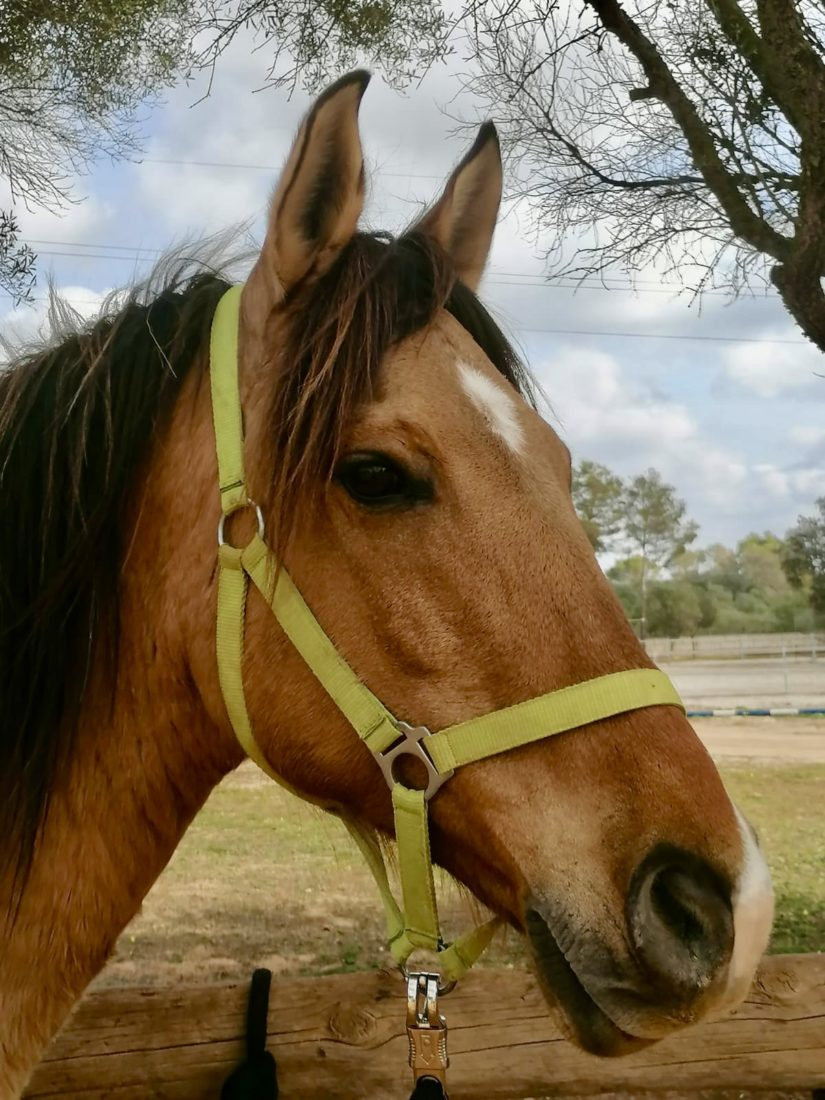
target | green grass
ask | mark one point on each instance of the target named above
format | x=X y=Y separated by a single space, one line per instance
x=263 y=879
x=787 y=807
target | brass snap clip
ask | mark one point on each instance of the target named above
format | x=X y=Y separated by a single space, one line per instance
x=426 y=1029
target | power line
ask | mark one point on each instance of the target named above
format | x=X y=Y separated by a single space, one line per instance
x=662 y=336
x=588 y=333
x=266 y=167
x=136 y=253
x=98 y=244
x=518 y=274
x=91 y=256
x=546 y=284
x=620 y=288
x=493 y=270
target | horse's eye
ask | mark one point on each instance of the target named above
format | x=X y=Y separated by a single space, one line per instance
x=376 y=480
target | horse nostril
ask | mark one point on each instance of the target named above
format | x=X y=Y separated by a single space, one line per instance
x=680 y=921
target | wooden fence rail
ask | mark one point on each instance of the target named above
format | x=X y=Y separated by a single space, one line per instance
x=719 y=646
x=343 y=1038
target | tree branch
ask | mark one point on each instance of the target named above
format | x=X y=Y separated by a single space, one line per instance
x=744 y=222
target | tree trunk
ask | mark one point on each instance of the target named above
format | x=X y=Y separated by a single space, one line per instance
x=802 y=295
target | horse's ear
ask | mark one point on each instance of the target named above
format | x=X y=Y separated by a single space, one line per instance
x=320 y=195
x=464 y=218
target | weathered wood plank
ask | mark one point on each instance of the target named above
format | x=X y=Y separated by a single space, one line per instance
x=343 y=1037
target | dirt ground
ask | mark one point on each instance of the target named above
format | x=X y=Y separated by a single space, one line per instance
x=765 y=740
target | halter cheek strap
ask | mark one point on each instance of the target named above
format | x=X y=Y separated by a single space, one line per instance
x=415 y=923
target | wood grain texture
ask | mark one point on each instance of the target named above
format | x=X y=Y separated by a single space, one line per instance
x=343 y=1037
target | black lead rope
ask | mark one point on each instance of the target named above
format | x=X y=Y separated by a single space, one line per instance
x=427 y=1088
x=256 y=1078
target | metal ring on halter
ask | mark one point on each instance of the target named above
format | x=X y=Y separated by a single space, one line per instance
x=259 y=516
x=411 y=745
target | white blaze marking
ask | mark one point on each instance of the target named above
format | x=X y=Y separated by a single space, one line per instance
x=752 y=911
x=497 y=407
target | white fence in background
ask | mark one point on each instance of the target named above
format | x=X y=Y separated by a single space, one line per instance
x=709 y=647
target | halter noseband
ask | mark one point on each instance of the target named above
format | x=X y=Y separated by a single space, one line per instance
x=416 y=924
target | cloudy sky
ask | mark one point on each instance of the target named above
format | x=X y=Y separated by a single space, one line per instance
x=725 y=401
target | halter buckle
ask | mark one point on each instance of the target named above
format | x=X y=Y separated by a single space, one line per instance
x=411 y=745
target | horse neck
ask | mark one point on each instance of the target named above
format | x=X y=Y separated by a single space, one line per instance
x=144 y=760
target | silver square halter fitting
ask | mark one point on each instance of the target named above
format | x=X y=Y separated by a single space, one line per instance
x=411 y=745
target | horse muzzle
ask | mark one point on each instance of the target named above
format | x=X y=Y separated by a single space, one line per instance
x=668 y=968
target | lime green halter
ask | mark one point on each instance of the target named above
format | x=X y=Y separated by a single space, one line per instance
x=415 y=924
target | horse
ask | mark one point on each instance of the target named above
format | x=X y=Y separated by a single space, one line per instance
x=422 y=507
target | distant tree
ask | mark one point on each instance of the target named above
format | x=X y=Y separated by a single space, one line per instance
x=674 y=609
x=688 y=564
x=628 y=570
x=760 y=558
x=625 y=576
x=724 y=568
x=668 y=588
x=804 y=556
x=655 y=527
x=685 y=133
x=711 y=597
x=598 y=497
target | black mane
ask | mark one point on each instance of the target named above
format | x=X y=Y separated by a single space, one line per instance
x=75 y=422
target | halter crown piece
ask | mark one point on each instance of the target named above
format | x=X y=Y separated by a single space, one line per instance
x=415 y=925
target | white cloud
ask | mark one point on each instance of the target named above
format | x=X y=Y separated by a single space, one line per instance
x=189 y=200
x=605 y=415
x=595 y=402
x=770 y=369
x=90 y=219
x=795 y=489
x=806 y=435
x=771 y=480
